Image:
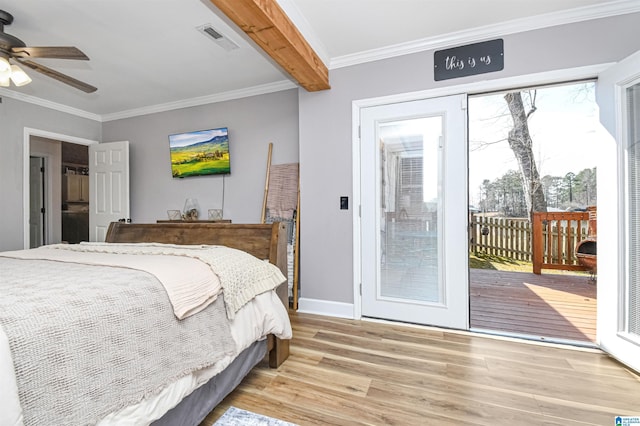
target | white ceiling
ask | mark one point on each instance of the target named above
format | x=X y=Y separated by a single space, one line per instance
x=147 y=55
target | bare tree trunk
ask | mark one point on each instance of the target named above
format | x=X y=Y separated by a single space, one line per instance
x=521 y=145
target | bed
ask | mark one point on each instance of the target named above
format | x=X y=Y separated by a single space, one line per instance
x=133 y=343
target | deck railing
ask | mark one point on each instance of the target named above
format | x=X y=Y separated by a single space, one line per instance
x=549 y=243
x=499 y=236
x=555 y=236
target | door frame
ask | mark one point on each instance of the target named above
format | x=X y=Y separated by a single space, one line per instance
x=26 y=151
x=611 y=330
x=544 y=78
x=45 y=232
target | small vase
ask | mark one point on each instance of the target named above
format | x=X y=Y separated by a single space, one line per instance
x=191 y=209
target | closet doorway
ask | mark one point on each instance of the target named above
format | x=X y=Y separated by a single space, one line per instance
x=56 y=207
x=75 y=193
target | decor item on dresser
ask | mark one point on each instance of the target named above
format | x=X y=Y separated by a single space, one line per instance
x=174 y=214
x=191 y=209
x=202 y=152
x=215 y=214
x=81 y=345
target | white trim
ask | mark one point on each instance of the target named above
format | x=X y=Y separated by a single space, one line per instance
x=515 y=26
x=47 y=201
x=47 y=189
x=548 y=77
x=541 y=339
x=325 y=307
x=355 y=179
x=203 y=100
x=514 y=338
x=48 y=104
x=28 y=132
x=612 y=212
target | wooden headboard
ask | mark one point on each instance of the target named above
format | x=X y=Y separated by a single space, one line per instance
x=264 y=241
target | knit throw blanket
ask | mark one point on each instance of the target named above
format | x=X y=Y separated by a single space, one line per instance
x=242 y=276
x=87 y=340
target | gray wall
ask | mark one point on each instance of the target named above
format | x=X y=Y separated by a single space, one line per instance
x=253 y=122
x=326 y=265
x=15 y=115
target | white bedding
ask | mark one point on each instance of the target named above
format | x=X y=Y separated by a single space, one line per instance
x=211 y=269
x=188 y=293
x=260 y=317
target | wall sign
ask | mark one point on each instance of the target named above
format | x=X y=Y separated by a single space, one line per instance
x=472 y=59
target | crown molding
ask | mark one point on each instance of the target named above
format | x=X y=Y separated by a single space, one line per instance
x=620 y=7
x=48 y=104
x=203 y=100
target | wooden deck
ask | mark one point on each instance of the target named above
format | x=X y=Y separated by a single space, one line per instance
x=547 y=306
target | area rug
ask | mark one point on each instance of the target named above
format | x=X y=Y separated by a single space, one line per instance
x=238 y=417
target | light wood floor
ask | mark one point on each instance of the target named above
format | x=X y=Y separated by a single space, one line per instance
x=345 y=372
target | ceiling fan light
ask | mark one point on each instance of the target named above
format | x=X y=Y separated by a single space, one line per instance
x=5 y=74
x=18 y=76
x=5 y=66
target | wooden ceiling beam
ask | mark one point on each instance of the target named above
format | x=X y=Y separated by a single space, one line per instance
x=267 y=24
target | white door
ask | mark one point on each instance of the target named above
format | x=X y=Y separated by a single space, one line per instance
x=414 y=249
x=618 y=96
x=36 y=202
x=109 y=187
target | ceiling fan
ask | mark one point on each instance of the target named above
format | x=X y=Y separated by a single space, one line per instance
x=15 y=49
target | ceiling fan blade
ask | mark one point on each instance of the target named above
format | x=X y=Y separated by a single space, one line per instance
x=59 y=76
x=57 y=52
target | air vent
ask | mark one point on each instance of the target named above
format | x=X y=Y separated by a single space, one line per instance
x=219 y=38
x=213 y=33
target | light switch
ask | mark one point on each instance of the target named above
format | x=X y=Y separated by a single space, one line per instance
x=344 y=203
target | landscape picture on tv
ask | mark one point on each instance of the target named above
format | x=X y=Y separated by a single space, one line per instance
x=202 y=152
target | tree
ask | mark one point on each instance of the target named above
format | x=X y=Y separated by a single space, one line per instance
x=511 y=195
x=504 y=195
x=569 y=180
x=585 y=184
x=553 y=190
x=520 y=142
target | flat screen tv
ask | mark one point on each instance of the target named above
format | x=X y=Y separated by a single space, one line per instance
x=201 y=152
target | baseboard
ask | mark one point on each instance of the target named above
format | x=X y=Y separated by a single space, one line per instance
x=325 y=307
